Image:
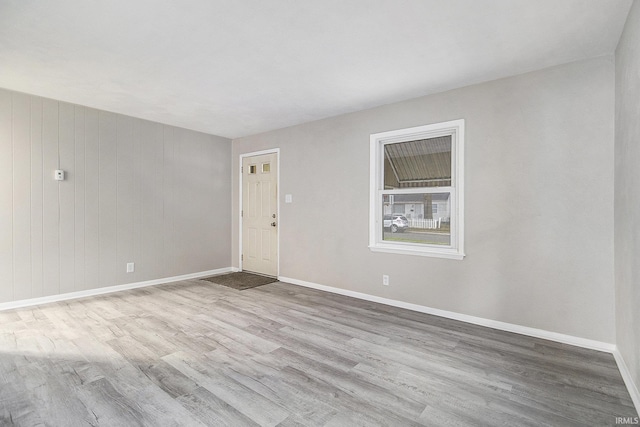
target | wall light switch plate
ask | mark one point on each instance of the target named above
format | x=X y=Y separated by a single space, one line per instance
x=288 y=198
x=130 y=267
x=59 y=175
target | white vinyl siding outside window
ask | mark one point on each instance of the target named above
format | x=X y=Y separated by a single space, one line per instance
x=416 y=196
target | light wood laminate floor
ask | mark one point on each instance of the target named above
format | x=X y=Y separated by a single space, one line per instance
x=195 y=353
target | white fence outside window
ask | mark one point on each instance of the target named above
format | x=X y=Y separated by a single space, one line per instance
x=430 y=224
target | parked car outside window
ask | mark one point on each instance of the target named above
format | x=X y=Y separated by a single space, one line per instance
x=395 y=223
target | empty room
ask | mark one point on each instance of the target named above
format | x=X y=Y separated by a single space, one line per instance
x=320 y=213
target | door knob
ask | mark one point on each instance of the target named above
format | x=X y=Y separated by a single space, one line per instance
x=273 y=224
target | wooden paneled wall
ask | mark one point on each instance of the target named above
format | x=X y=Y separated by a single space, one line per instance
x=134 y=191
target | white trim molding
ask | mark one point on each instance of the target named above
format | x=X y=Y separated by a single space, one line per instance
x=455 y=189
x=628 y=379
x=495 y=324
x=109 y=289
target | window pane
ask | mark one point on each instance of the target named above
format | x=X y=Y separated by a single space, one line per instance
x=421 y=163
x=423 y=218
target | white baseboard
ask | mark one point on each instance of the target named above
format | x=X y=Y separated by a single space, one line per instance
x=503 y=326
x=628 y=379
x=109 y=289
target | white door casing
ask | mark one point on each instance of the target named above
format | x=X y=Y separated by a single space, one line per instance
x=259 y=214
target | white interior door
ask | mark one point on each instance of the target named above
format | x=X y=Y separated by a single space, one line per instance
x=259 y=214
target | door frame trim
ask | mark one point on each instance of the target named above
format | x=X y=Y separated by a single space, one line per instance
x=275 y=151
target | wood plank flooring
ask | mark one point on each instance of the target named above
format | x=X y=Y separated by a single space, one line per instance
x=194 y=353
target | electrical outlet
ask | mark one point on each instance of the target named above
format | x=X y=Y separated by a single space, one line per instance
x=130 y=267
x=385 y=280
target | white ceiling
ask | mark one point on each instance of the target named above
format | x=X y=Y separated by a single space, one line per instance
x=240 y=67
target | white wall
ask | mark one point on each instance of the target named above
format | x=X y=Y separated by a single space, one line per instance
x=135 y=191
x=627 y=194
x=536 y=143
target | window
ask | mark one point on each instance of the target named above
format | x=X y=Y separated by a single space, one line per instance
x=416 y=201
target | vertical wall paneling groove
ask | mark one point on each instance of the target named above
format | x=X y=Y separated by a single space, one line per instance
x=209 y=203
x=185 y=199
x=134 y=191
x=66 y=144
x=194 y=200
x=80 y=195
x=177 y=213
x=124 y=197
x=50 y=210
x=6 y=197
x=92 y=199
x=165 y=172
x=144 y=218
x=108 y=194
x=200 y=188
x=21 y=127
x=152 y=197
x=168 y=200
x=156 y=204
x=180 y=205
x=137 y=170
x=37 y=182
x=134 y=195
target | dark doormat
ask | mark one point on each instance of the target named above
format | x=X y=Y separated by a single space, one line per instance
x=241 y=280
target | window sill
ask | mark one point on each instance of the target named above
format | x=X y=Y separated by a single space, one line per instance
x=428 y=252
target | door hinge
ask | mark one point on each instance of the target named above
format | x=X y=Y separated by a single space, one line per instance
x=242 y=257
x=241 y=169
x=242 y=213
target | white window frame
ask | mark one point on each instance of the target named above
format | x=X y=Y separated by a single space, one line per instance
x=455 y=128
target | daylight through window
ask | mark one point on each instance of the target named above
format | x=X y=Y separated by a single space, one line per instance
x=416 y=190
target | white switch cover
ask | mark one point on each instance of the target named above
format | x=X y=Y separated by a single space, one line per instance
x=130 y=267
x=385 y=280
x=288 y=198
x=59 y=175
